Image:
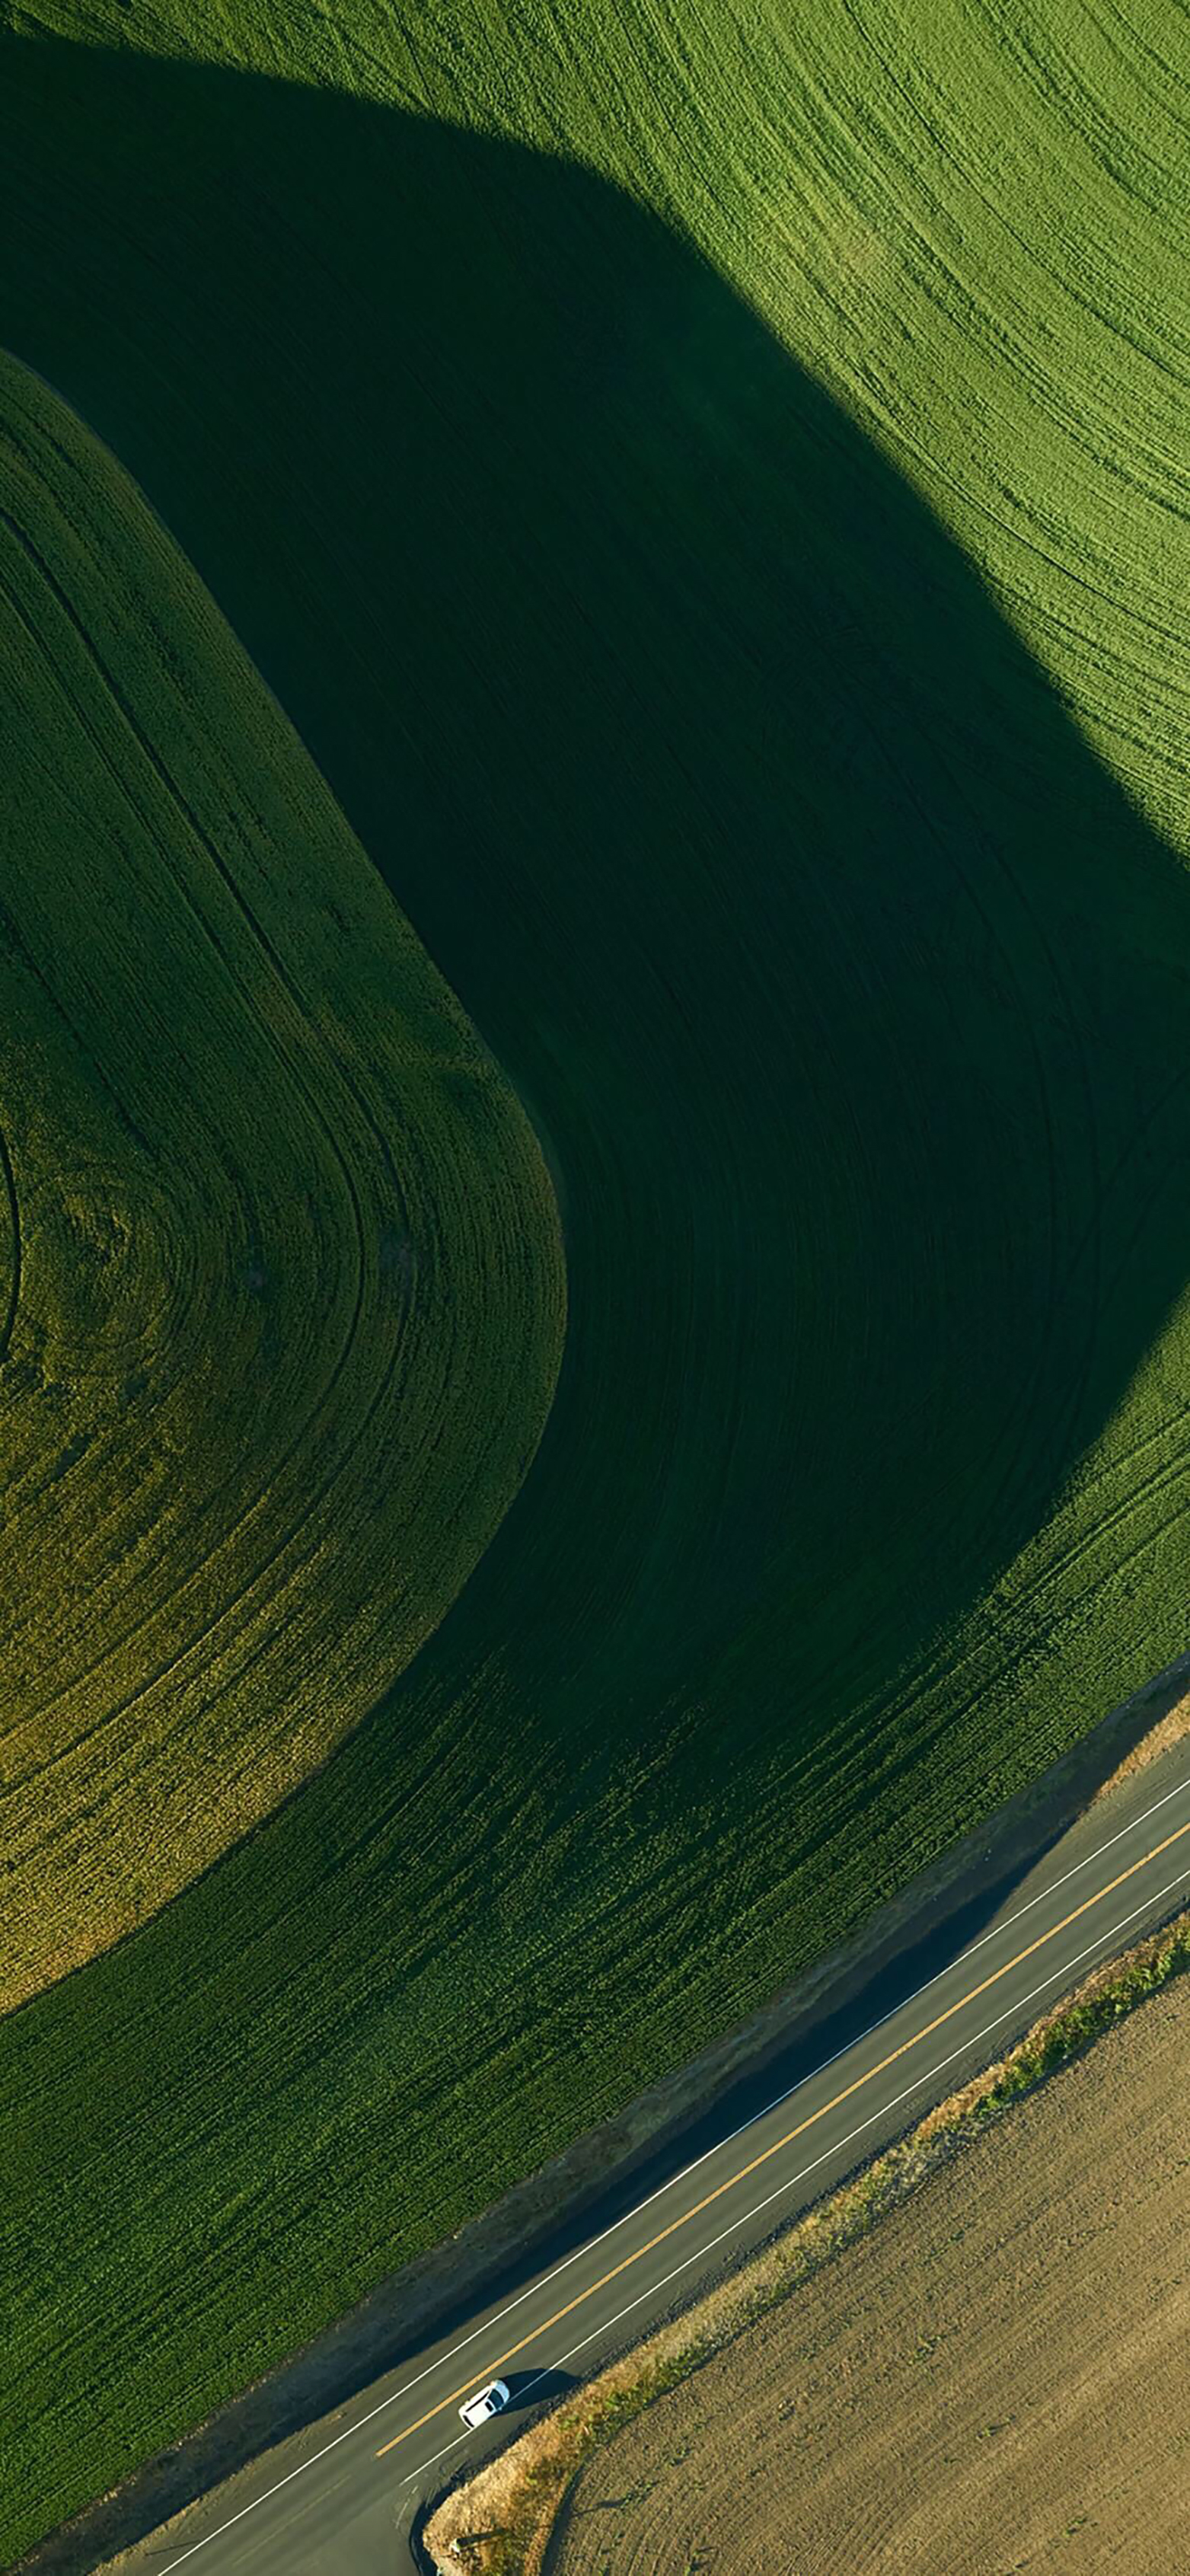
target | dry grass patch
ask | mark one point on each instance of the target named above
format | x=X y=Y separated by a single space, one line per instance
x=1167 y=1730
x=503 y=2521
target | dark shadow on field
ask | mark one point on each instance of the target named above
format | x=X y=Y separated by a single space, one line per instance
x=843 y=984
x=848 y=994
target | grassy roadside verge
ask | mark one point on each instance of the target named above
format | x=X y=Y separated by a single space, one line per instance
x=501 y=2521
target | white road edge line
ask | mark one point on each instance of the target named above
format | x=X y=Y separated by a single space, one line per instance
x=682 y=2175
x=792 y=2180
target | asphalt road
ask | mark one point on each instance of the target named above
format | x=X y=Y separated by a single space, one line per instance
x=340 y=2499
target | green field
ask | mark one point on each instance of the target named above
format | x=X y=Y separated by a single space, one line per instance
x=284 y=1280
x=711 y=499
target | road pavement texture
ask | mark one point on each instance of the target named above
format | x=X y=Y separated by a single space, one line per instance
x=343 y=2498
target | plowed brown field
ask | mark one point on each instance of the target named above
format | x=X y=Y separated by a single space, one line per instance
x=993 y=2382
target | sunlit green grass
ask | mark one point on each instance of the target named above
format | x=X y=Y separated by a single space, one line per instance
x=285 y=1283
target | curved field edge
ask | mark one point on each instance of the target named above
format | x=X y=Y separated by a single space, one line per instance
x=850 y=992
x=502 y=2521
x=972 y=229
x=290 y=1288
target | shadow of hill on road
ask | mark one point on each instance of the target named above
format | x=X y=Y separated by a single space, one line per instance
x=847 y=991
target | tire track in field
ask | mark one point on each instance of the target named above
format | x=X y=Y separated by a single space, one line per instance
x=128 y=1762
x=126 y=1636
x=397 y=1355
x=14 y=1219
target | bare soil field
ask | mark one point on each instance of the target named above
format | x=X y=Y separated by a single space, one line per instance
x=992 y=2382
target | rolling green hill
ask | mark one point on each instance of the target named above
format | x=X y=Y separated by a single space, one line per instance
x=284 y=1292
x=736 y=593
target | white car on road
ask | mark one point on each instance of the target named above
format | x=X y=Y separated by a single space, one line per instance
x=486 y=2402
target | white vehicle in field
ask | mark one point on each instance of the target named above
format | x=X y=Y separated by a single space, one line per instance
x=486 y=2402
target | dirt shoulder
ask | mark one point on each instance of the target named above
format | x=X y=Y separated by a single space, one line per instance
x=987 y=2382
x=1167 y=1730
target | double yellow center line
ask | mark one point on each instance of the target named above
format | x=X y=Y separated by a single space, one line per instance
x=798 y=2131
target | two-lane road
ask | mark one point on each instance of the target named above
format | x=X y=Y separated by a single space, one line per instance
x=339 y=2499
